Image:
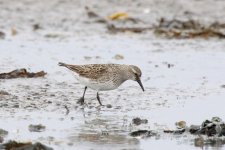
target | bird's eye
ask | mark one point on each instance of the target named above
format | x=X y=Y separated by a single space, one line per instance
x=136 y=75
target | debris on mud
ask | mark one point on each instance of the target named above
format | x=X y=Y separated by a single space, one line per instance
x=181 y=128
x=36 y=27
x=54 y=35
x=14 y=32
x=21 y=73
x=212 y=127
x=178 y=131
x=188 y=29
x=138 y=121
x=143 y=133
x=36 y=128
x=13 y=145
x=113 y=29
x=118 y=15
x=93 y=15
x=67 y=109
x=118 y=57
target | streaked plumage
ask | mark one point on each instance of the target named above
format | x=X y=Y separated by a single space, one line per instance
x=102 y=77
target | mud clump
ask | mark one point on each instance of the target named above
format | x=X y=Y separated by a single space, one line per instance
x=4 y=93
x=13 y=145
x=2 y=35
x=21 y=73
x=138 y=121
x=36 y=128
x=143 y=133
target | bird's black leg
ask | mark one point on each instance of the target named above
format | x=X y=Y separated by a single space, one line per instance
x=81 y=100
x=98 y=98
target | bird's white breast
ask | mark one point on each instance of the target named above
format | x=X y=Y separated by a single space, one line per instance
x=95 y=85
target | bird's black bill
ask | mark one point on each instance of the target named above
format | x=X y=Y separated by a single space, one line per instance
x=139 y=82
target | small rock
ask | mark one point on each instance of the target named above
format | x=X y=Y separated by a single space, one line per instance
x=52 y=95
x=143 y=133
x=205 y=123
x=118 y=57
x=170 y=65
x=199 y=142
x=3 y=132
x=16 y=106
x=216 y=119
x=97 y=57
x=36 y=27
x=13 y=145
x=179 y=131
x=168 y=131
x=194 y=129
x=208 y=128
x=36 y=128
x=180 y=124
x=87 y=57
x=138 y=121
x=109 y=106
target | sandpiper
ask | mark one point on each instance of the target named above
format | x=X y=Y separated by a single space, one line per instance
x=103 y=77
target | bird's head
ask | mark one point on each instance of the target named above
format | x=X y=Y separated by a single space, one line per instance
x=136 y=75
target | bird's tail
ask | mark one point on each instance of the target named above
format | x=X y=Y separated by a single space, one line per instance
x=62 y=64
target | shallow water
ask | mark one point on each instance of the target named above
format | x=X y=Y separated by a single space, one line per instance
x=190 y=90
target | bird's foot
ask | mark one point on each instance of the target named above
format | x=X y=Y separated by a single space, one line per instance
x=81 y=101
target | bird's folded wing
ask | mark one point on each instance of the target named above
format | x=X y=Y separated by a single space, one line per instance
x=94 y=71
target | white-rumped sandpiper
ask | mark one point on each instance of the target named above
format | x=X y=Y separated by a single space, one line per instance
x=103 y=77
